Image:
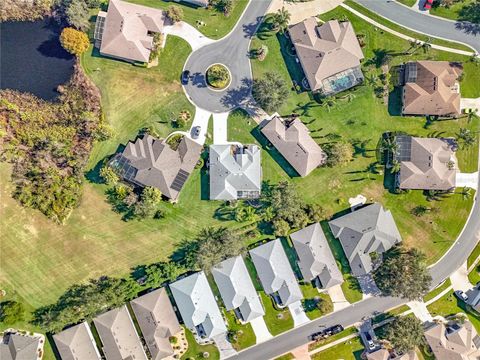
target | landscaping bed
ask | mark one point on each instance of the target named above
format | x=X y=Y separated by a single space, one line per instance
x=218 y=77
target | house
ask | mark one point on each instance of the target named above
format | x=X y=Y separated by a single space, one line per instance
x=157 y=321
x=77 y=342
x=454 y=342
x=20 y=346
x=474 y=298
x=275 y=273
x=365 y=233
x=292 y=139
x=196 y=303
x=237 y=290
x=384 y=354
x=330 y=54
x=199 y=3
x=152 y=162
x=315 y=258
x=118 y=335
x=126 y=30
x=431 y=88
x=426 y=163
x=235 y=172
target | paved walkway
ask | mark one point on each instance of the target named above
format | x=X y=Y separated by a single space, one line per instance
x=467 y=179
x=403 y=36
x=338 y=297
x=301 y=353
x=460 y=280
x=298 y=314
x=301 y=10
x=260 y=329
x=469 y=103
x=187 y=32
x=224 y=346
x=201 y=119
x=419 y=309
x=220 y=128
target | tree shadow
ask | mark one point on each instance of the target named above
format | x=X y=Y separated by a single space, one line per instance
x=53 y=49
x=395 y=102
x=294 y=69
x=468 y=27
x=264 y=31
x=204 y=178
x=198 y=80
x=250 y=29
x=235 y=97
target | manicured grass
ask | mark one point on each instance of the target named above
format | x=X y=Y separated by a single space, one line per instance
x=381 y=20
x=437 y=291
x=350 y=350
x=474 y=275
x=409 y=3
x=216 y=25
x=449 y=305
x=310 y=297
x=387 y=315
x=195 y=351
x=452 y=12
x=474 y=255
x=348 y=331
x=288 y=356
x=365 y=118
x=245 y=335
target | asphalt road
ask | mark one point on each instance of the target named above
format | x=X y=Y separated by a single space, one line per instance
x=464 y=32
x=232 y=51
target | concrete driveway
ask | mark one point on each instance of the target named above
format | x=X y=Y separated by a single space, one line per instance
x=220 y=128
x=467 y=180
x=298 y=314
x=460 y=280
x=260 y=329
x=470 y=103
x=188 y=33
x=201 y=119
x=338 y=297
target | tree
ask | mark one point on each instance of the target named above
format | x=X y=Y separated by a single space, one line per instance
x=420 y=210
x=285 y=202
x=150 y=199
x=74 y=41
x=109 y=176
x=405 y=333
x=329 y=102
x=159 y=273
x=403 y=273
x=470 y=12
x=175 y=13
x=396 y=166
x=466 y=137
x=466 y=193
x=11 y=312
x=281 y=20
x=339 y=153
x=77 y=15
x=426 y=46
x=317 y=213
x=270 y=91
x=224 y=6
x=280 y=227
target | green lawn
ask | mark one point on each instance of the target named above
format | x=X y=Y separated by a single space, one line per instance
x=350 y=350
x=451 y=12
x=449 y=305
x=348 y=331
x=393 y=26
x=437 y=291
x=310 y=297
x=409 y=3
x=215 y=26
x=195 y=351
x=386 y=315
x=474 y=255
x=288 y=356
x=474 y=275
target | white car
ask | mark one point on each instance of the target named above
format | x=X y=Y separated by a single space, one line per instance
x=461 y=295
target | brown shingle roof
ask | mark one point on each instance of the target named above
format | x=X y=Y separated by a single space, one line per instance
x=151 y=162
x=431 y=88
x=325 y=50
x=126 y=28
x=292 y=139
x=426 y=165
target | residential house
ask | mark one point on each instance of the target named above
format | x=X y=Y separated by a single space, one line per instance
x=197 y=306
x=474 y=298
x=235 y=172
x=237 y=290
x=76 y=343
x=330 y=54
x=315 y=258
x=275 y=273
x=157 y=321
x=384 y=354
x=126 y=30
x=426 y=163
x=365 y=234
x=292 y=139
x=118 y=335
x=19 y=346
x=431 y=88
x=152 y=162
x=454 y=342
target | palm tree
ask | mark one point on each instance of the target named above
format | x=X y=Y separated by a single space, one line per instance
x=372 y=79
x=471 y=114
x=426 y=46
x=414 y=44
x=396 y=166
x=329 y=103
x=389 y=145
x=466 y=193
x=349 y=97
x=467 y=137
x=281 y=20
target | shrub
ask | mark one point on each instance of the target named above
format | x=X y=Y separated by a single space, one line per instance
x=108 y=175
x=218 y=76
x=11 y=312
x=175 y=13
x=339 y=153
x=74 y=41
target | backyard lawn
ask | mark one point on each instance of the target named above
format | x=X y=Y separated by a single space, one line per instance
x=215 y=24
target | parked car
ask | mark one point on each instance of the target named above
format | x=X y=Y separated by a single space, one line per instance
x=185 y=77
x=371 y=344
x=461 y=295
x=428 y=4
x=332 y=330
x=196 y=132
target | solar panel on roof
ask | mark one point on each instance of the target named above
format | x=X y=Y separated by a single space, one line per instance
x=179 y=180
x=99 y=26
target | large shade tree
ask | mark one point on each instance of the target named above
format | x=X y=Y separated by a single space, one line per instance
x=270 y=91
x=405 y=333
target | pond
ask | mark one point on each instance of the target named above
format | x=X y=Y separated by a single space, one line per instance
x=32 y=59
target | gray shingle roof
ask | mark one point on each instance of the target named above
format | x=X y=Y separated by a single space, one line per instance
x=275 y=272
x=19 y=347
x=125 y=31
x=292 y=139
x=236 y=288
x=151 y=162
x=118 y=335
x=369 y=229
x=197 y=305
x=315 y=257
x=235 y=169
x=77 y=343
x=157 y=321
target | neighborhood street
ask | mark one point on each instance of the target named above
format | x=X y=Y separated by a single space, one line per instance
x=463 y=32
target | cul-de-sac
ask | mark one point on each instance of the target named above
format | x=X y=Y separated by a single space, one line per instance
x=239 y=179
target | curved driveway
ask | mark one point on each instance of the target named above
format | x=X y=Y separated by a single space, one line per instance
x=456 y=31
x=231 y=51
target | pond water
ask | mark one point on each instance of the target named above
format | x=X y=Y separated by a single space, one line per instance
x=32 y=59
